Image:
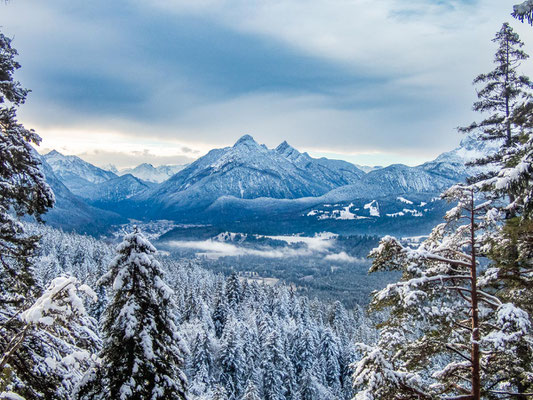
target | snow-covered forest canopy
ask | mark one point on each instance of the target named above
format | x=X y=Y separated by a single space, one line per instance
x=92 y=318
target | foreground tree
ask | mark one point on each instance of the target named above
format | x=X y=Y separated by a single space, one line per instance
x=444 y=336
x=524 y=11
x=62 y=338
x=23 y=191
x=502 y=93
x=141 y=357
x=507 y=95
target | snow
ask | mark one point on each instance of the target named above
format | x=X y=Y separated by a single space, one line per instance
x=10 y=396
x=344 y=213
x=514 y=325
x=373 y=208
x=404 y=200
x=147 y=172
x=39 y=312
x=67 y=166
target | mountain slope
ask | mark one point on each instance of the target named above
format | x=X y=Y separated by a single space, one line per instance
x=247 y=170
x=77 y=175
x=117 y=189
x=72 y=213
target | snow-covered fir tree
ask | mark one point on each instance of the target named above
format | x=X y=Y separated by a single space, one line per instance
x=444 y=335
x=509 y=244
x=142 y=353
x=504 y=91
x=23 y=191
x=68 y=335
x=524 y=11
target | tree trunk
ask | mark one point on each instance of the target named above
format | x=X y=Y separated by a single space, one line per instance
x=476 y=381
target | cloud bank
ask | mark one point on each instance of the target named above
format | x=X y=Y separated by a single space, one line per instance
x=387 y=80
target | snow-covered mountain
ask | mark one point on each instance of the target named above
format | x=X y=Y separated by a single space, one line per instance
x=71 y=212
x=147 y=172
x=249 y=170
x=117 y=189
x=249 y=181
x=77 y=175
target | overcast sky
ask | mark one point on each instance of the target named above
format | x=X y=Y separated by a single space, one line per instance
x=162 y=81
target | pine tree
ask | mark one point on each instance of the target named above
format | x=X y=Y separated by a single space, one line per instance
x=329 y=353
x=202 y=363
x=524 y=11
x=233 y=291
x=509 y=243
x=58 y=339
x=274 y=367
x=503 y=93
x=142 y=352
x=232 y=359
x=439 y=313
x=23 y=191
x=251 y=392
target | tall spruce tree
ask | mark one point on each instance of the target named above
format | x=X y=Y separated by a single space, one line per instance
x=502 y=93
x=524 y=11
x=445 y=336
x=508 y=96
x=142 y=353
x=23 y=191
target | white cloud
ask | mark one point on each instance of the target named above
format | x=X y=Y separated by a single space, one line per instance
x=342 y=257
x=312 y=246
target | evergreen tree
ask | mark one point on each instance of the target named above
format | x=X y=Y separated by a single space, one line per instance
x=232 y=359
x=329 y=353
x=141 y=357
x=220 y=393
x=233 y=291
x=251 y=392
x=274 y=367
x=221 y=310
x=23 y=191
x=58 y=339
x=202 y=367
x=524 y=11
x=510 y=241
x=504 y=91
x=444 y=336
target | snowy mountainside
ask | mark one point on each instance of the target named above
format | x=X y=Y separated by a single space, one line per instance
x=70 y=212
x=116 y=189
x=75 y=173
x=453 y=163
x=248 y=170
x=147 y=172
x=249 y=181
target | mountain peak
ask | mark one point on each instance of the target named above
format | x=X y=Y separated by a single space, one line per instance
x=284 y=146
x=290 y=153
x=145 y=165
x=53 y=153
x=246 y=140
